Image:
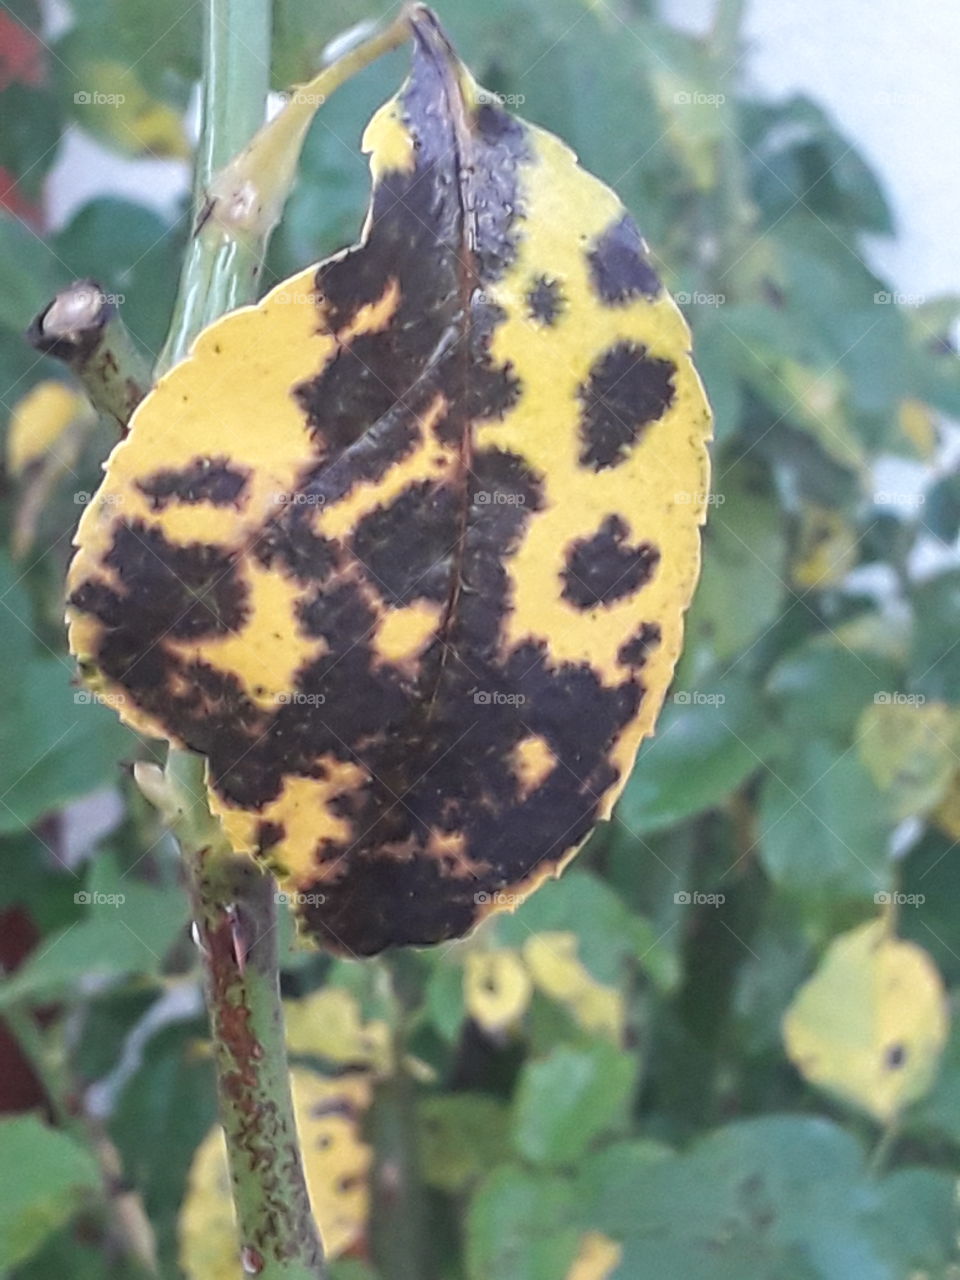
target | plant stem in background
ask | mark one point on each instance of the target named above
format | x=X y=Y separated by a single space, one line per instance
x=398 y=1218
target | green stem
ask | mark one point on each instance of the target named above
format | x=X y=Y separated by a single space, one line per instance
x=233 y=902
x=221 y=267
x=240 y=193
x=399 y=1221
x=234 y=909
x=82 y=327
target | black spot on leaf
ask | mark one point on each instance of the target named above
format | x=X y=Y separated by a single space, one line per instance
x=618 y=262
x=627 y=391
x=605 y=567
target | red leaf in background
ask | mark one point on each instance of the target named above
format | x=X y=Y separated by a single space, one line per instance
x=21 y=54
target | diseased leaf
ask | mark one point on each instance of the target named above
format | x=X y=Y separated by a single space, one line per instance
x=405 y=549
x=871 y=1023
x=497 y=989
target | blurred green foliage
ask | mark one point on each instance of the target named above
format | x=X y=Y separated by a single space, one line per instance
x=775 y=803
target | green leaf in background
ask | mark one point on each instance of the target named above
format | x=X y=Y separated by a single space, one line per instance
x=56 y=743
x=744 y=573
x=569 y=1099
x=708 y=741
x=521 y=1226
x=463 y=1137
x=782 y=1198
x=126 y=927
x=824 y=833
x=44 y=1178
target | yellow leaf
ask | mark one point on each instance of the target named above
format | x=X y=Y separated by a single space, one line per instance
x=909 y=749
x=497 y=989
x=117 y=107
x=337 y=1166
x=826 y=550
x=597 y=1257
x=819 y=403
x=947 y=813
x=328 y=1024
x=39 y=420
x=410 y=542
x=558 y=972
x=919 y=426
x=871 y=1023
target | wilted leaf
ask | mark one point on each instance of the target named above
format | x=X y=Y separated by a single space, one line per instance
x=871 y=1023
x=422 y=524
x=336 y=1162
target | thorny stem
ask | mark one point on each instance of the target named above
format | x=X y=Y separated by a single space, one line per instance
x=234 y=909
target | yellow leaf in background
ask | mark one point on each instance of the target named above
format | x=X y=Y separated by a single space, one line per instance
x=596 y=1258
x=117 y=107
x=337 y=1166
x=39 y=420
x=947 y=813
x=919 y=426
x=422 y=523
x=328 y=1024
x=909 y=750
x=819 y=403
x=497 y=989
x=871 y=1023
x=559 y=973
x=826 y=550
